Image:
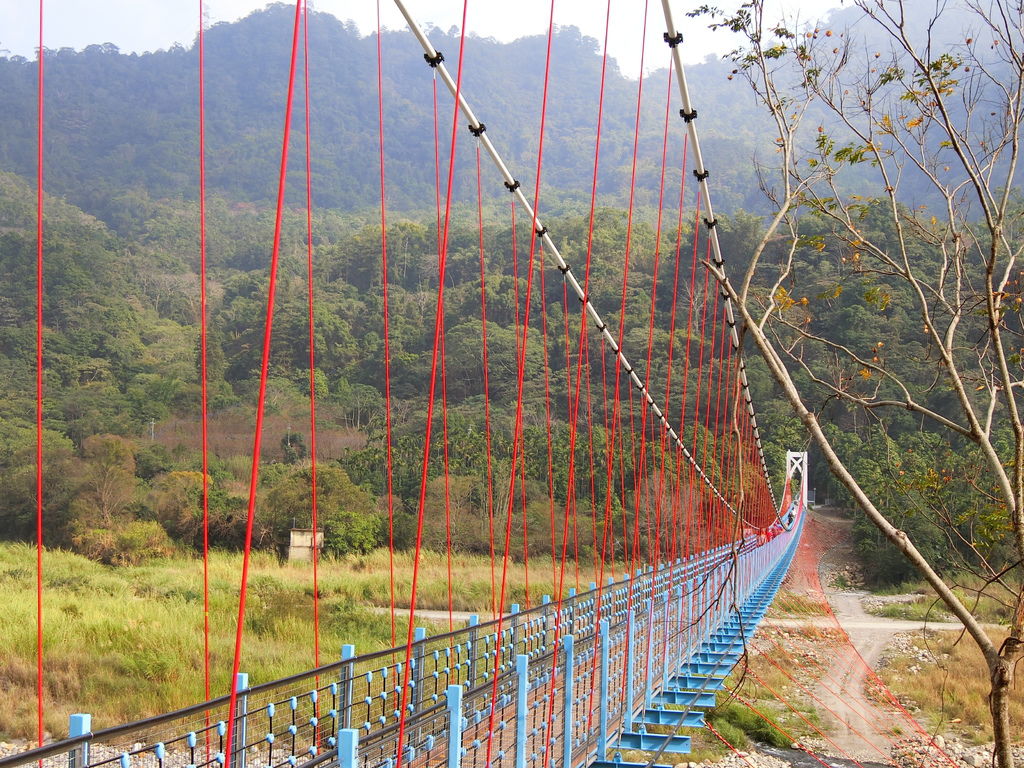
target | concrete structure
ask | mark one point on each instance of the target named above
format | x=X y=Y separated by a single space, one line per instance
x=300 y=544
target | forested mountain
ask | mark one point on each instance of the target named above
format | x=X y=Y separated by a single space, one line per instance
x=121 y=300
x=121 y=128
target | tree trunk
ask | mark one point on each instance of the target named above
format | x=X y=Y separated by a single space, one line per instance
x=1001 y=676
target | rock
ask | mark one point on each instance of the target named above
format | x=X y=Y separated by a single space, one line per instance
x=977 y=761
x=940 y=742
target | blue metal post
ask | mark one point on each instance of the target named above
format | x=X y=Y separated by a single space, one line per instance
x=628 y=714
x=522 y=704
x=602 y=727
x=680 y=640
x=419 y=634
x=690 y=585
x=514 y=621
x=474 y=621
x=454 y=726
x=567 y=716
x=237 y=757
x=651 y=650
x=348 y=672
x=348 y=747
x=666 y=645
x=79 y=725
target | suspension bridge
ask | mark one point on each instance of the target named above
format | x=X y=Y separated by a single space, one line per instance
x=627 y=665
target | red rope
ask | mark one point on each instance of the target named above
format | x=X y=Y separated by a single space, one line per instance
x=486 y=383
x=312 y=355
x=203 y=369
x=424 y=469
x=583 y=343
x=444 y=374
x=547 y=430
x=264 y=371
x=521 y=373
x=447 y=478
x=517 y=437
x=39 y=387
x=387 y=330
x=667 y=399
x=653 y=552
x=627 y=554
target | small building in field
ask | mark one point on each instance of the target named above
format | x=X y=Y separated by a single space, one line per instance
x=301 y=543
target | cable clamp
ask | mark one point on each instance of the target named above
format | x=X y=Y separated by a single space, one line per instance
x=688 y=116
x=731 y=323
x=513 y=186
x=725 y=296
x=672 y=41
x=701 y=175
x=712 y=223
x=564 y=270
x=542 y=231
x=478 y=131
x=433 y=61
x=602 y=328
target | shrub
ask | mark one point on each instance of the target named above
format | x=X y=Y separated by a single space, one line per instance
x=128 y=544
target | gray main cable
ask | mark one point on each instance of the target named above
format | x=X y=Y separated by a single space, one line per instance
x=701 y=172
x=549 y=246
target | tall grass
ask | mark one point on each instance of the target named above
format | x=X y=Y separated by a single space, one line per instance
x=125 y=643
x=953 y=692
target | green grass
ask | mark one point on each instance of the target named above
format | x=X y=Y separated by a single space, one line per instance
x=922 y=609
x=126 y=643
x=740 y=725
x=994 y=604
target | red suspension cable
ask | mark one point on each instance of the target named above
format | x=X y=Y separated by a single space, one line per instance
x=424 y=469
x=204 y=424
x=387 y=330
x=312 y=344
x=39 y=386
x=264 y=372
x=486 y=382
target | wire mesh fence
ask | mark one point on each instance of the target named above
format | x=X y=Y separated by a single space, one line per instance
x=549 y=687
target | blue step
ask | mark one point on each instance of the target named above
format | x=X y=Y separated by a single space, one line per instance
x=690 y=683
x=704 y=699
x=711 y=647
x=623 y=764
x=713 y=657
x=652 y=742
x=676 y=717
x=717 y=669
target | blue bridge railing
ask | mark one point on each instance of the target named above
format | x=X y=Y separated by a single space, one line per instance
x=623 y=666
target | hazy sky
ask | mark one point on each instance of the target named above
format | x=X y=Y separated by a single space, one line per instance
x=146 y=25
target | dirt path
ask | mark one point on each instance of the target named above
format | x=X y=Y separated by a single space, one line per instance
x=856 y=724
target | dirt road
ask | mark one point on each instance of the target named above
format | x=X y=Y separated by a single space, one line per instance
x=858 y=726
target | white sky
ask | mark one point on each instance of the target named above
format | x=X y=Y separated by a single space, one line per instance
x=146 y=25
